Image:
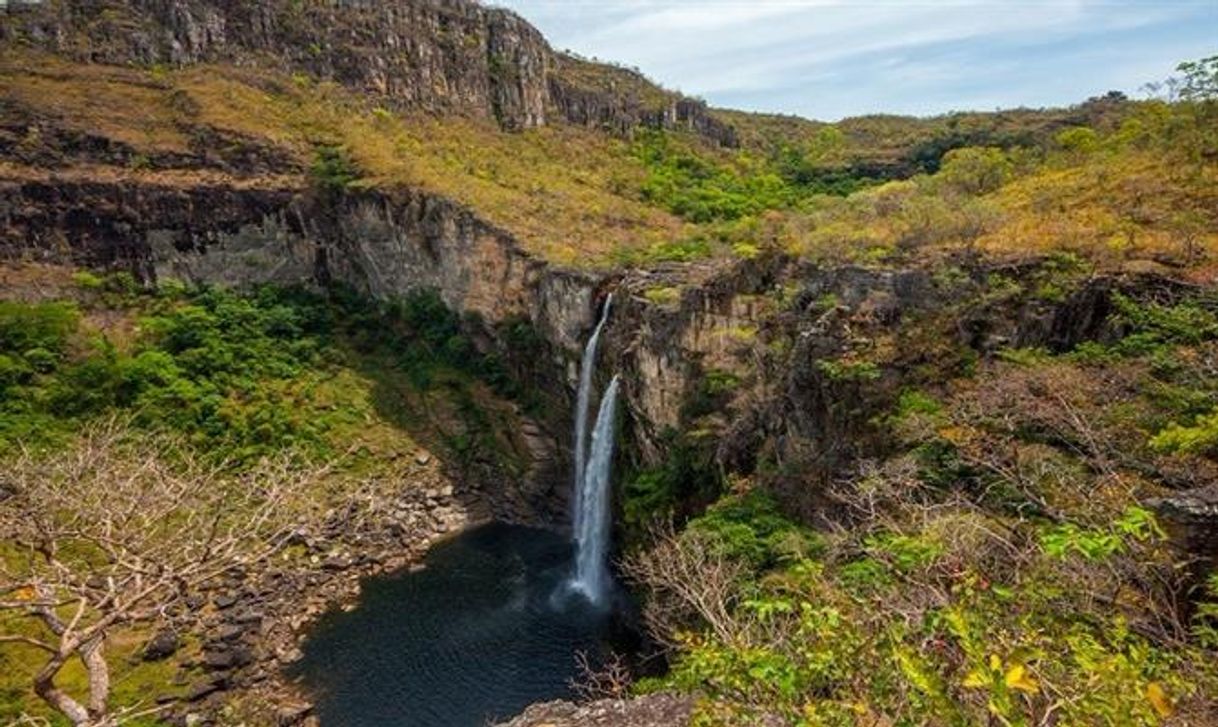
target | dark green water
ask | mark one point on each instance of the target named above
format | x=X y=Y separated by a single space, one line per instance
x=487 y=628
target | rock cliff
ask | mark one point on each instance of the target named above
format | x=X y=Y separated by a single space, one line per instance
x=442 y=55
x=452 y=56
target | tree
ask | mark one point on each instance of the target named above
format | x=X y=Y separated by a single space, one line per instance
x=975 y=169
x=1198 y=80
x=117 y=530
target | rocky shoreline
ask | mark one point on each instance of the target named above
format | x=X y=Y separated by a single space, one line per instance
x=252 y=623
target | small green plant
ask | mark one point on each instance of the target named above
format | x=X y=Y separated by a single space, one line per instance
x=333 y=170
x=1025 y=357
x=1201 y=437
x=663 y=294
x=1066 y=539
x=849 y=371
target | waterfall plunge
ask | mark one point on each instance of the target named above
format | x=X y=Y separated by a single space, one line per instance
x=592 y=519
x=590 y=514
x=587 y=367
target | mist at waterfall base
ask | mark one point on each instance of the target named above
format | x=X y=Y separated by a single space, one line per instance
x=478 y=634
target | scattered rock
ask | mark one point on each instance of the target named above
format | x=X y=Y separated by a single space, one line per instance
x=248 y=617
x=203 y=689
x=229 y=632
x=224 y=601
x=653 y=710
x=337 y=563
x=293 y=715
x=241 y=656
x=218 y=660
x=162 y=646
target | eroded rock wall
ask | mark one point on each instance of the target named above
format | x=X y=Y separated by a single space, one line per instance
x=452 y=56
x=443 y=55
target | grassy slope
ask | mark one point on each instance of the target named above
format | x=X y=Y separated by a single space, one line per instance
x=583 y=198
x=563 y=191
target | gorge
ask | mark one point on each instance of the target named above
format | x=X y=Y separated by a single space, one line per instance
x=304 y=311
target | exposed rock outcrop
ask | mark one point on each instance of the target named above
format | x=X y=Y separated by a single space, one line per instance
x=654 y=710
x=620 y=100
x=384 y=244
x=452 y=56
x=223 y=232
x=443 y=55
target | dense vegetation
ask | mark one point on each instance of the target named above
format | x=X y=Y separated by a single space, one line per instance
x=241 y=376
x=993 y=558
x=999 y=564
x=223 y=393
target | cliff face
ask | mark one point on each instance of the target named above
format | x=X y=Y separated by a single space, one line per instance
x=453 y=56
x=443 y=55
x=619 y=100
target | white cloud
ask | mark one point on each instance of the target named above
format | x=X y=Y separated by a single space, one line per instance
x=851 y=53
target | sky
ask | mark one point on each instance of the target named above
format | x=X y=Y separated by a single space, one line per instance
x=828 y=59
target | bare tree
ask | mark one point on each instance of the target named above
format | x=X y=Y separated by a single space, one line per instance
x=689 y=580
x=608 y=679
x=117 y=529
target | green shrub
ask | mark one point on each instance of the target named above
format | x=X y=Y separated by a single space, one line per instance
x=843 y=371
x=1080 y=139
x=1201 y=437
x=751 y=528
x=684 y=483
x=975 y=170
x=333 y=170
x=28 y=326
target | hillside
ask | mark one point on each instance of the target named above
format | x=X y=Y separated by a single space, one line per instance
x=566 y=190
x=917 y=416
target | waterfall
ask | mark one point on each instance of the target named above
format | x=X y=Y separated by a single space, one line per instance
x=587 y=367
x=592 y=519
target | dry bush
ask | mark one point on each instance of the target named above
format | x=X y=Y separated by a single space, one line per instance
x=609 y=680
x=689 y=582
x=119 y=528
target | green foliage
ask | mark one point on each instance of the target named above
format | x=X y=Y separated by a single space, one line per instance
x=849 y=371
x=234 y=373
x=1136 y=525
x=1080 y=139
x=711 y=394
x=662 y=294
x=1199 y=79
x=1201 y=437
x=684 y=483
x=1205 y=618
x=975 y=170
x=702 y=188
x=751 y=528
x=29 y=326
x=1025 y=357
x=333 y=169
x=1153 y=325
x=913 y=402
x=817 y=165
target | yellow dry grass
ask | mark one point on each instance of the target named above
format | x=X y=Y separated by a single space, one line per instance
x=117 y=103
x=1112 y=209
x=567 y=193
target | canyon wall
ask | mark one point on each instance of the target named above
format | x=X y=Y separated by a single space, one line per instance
x=450 y=56
x=380 y=243
x=441 y=55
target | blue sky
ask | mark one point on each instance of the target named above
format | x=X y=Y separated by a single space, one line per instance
x=826 y=59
